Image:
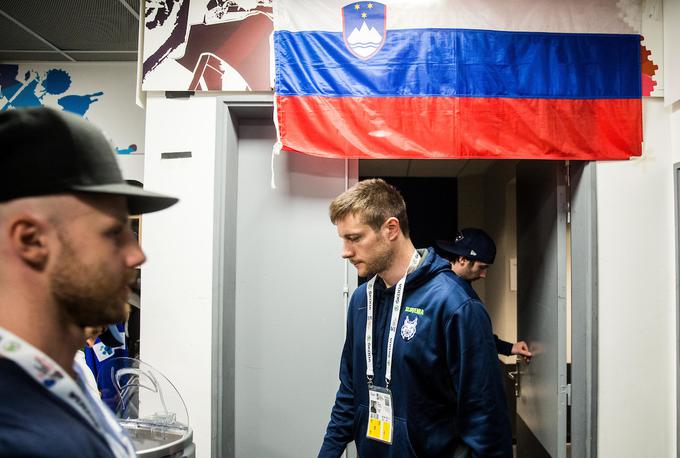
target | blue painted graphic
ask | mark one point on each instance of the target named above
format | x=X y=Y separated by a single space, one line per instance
x=78 y=104
x=129 y=150
x=29 y=89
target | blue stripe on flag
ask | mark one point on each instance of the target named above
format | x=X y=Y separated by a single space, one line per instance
x=462 y=63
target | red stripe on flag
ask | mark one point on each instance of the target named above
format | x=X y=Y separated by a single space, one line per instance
x=444 y=127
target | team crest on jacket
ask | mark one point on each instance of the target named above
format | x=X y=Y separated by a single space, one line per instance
x=408 y=330
x=364 y=28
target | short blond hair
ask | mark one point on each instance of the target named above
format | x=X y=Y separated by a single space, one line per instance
x=374 y=201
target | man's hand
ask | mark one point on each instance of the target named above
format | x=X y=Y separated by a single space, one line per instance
x=522 y=349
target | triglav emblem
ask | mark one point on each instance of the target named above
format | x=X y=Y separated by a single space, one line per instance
x=363 y=28
x=408 y=330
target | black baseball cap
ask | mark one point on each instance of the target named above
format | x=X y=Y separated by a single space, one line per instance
x=44 y=151
x=471 y=243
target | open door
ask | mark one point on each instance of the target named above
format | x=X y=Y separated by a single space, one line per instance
x=541 y=308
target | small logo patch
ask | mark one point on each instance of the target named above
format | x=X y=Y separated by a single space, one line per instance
x=11 y=346
x=408 y=330
x=415 y=310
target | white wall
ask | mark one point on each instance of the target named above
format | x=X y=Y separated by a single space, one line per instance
x=131 y=166
x=177 y=281
x=637 y=296
x=500 y=222
x=471 y=213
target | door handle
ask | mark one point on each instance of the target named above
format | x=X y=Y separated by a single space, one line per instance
x=515 y=376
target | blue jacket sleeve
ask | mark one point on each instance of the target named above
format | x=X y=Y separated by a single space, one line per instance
x=340 y=427
x=483 y=420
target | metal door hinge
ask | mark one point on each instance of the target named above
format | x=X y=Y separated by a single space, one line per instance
x=567 y=182
x=567 y=390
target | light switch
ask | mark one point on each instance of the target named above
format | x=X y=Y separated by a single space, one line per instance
x=513 y=274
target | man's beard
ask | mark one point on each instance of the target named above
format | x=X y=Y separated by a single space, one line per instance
x=383 y=260
x=87 y=295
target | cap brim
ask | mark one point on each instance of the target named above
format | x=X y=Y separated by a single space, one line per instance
x=446 y=246
x=139 y=200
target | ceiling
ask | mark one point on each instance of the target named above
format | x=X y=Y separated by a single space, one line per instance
x=68 y=30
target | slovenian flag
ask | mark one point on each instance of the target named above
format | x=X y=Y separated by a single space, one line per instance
x=519 y=79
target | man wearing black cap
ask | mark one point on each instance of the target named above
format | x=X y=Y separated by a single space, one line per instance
x=67 y=256
x=471 y=254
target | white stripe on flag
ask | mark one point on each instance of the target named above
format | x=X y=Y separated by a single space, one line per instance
x=560 y=16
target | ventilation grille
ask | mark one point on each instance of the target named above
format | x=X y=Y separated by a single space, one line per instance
x=83 y=29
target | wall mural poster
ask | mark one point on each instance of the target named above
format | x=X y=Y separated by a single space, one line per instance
x=207 y=45
x=100 y=92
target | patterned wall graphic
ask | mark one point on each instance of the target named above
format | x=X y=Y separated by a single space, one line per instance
x=207 y=45
x=649 y=69
x=79 y=89
x=651 y=48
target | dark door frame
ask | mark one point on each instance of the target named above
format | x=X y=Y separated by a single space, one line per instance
x=584 y=300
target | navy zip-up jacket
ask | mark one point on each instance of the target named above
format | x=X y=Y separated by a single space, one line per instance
x=446 y=381
x=35 y=423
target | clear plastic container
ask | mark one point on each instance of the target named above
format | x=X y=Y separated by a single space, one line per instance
x=148 y=406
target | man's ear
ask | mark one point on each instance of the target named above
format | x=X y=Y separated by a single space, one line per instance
x=28 y=240
x=392 y=228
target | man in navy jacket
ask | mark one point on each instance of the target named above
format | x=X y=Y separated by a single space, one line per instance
x=438 y=365
x=471 y=254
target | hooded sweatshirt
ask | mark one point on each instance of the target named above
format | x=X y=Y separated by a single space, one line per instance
x=446 y=382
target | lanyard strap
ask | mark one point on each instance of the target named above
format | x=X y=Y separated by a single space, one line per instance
x=394 y=321
x=50 y=375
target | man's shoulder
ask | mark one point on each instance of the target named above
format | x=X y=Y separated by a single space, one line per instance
x=358 y=298
x=34 y=423
x=447 y=290
x=17 y=386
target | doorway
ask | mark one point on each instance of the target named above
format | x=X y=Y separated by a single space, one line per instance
x=487 y=198
x=483 y=187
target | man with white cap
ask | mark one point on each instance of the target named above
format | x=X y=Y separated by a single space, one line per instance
x=67 y=256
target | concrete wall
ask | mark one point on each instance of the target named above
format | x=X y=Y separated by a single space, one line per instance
x=177 y=280
x=471 y=213
x=637 y=295
x=488 y=201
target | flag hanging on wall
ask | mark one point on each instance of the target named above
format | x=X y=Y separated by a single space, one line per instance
x=519 y=79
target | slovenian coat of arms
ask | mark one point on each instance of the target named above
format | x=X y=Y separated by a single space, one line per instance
x=364 y=28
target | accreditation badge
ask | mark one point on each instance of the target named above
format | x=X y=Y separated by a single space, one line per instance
x=380 y=414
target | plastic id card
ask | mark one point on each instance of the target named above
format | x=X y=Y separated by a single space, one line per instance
x=380 y=414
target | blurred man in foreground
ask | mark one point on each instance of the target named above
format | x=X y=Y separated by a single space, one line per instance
x=67 y=256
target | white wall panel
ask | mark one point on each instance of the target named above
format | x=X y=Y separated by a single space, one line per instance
x=636 y=409
x=177 y=280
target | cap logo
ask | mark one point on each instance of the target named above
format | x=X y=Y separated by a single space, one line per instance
x=473 y=253
x=459 y=237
